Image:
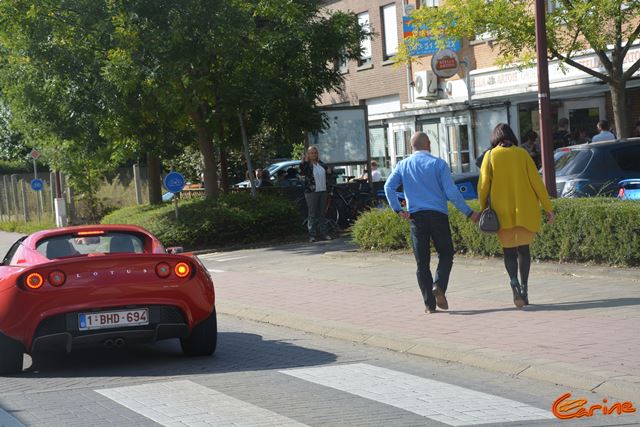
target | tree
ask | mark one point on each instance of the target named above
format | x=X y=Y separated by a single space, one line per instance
x=265 y=61
x=608 y=27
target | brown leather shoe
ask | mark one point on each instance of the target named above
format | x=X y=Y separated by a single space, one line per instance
x=441 y=300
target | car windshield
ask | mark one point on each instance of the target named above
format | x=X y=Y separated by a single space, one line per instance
x=80 y=244
x=572 y=162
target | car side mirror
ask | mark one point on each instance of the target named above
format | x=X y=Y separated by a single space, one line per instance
x=175 y=250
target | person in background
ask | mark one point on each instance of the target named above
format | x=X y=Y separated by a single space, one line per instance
x=561 y=136
x=428 y=186
x=533 y=148
x=375 y=173
x=581 y=136
x=265 y=179
x=510 y=178
x=604 y=134
x=280 y=178
x=315 y=193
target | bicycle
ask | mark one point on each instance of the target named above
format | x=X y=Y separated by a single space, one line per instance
x=344 y=205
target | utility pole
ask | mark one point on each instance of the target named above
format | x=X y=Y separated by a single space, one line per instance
x=544 y=101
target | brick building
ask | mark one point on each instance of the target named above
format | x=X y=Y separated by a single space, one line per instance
x=458 y=112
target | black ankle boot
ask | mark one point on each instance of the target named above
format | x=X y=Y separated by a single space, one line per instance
x=525 y=293
x=518 y=300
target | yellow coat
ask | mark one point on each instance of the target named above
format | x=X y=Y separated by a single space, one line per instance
x=516 y=188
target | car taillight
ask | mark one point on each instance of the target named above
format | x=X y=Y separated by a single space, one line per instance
x=182 y=269
x=57 y=278
x=163 y=270
x=621 y=193
x=34 y=281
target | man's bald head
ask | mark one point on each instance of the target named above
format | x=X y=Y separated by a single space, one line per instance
x=420 y=141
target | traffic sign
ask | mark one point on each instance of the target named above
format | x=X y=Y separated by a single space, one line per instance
x=37 y=184
x=174 y=182
x=34 y=154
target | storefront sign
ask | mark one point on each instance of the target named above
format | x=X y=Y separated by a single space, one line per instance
x=523 y=80
x=425 y=43
x=445 y=63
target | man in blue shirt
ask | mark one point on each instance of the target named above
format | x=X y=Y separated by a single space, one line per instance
x=428 y=185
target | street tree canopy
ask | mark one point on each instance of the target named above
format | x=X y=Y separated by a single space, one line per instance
x=607 y=27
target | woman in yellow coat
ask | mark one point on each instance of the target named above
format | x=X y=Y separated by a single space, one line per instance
x=510 y=178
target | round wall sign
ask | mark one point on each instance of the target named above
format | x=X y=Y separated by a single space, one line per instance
x=445 y=63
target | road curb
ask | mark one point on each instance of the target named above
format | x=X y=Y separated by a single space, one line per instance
x=604 y=382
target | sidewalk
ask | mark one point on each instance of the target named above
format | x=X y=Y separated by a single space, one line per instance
x=582 y=330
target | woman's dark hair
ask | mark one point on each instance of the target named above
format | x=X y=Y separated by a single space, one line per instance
x=502 y=133
x=532 y=135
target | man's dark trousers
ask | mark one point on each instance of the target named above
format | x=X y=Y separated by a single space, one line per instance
x=427 y=225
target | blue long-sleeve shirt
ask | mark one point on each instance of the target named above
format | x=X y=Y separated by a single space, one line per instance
x=427 y=185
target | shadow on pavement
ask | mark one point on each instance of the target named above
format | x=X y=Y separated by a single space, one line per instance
x=342 y=243
x=235 y=352
x=560 y=306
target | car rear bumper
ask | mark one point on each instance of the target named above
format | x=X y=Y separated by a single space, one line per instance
x=61 y=332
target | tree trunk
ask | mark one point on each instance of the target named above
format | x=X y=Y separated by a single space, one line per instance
x=224 y=171
x=205 y=143
x=620 y=108
x=247 y=154
x=153 y=176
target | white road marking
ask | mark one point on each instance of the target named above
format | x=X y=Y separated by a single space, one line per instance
x=185 y=403
x=6 y=420
x=439 y=401
x=231 y=258
x=213 y=270
x=214 y=257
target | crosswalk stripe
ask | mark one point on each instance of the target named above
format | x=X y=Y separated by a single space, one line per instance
x=6 y=420
x=186 y=403
x=439 y=401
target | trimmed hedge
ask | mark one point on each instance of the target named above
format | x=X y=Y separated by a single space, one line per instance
x=600 y=230
x=232 y=219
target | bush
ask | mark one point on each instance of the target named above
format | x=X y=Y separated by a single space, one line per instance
x=601 y=230
x=232 y=219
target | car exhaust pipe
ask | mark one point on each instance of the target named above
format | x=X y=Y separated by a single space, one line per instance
x=119 y=342
x=108 y=343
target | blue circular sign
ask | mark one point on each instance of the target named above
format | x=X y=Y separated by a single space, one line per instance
x=37 y=184
x=174 y=182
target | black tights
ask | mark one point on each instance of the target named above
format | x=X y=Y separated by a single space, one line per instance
x=518 y=256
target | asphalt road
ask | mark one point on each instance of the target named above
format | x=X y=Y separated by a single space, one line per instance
x=268 y=375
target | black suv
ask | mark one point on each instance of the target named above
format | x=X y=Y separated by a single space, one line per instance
x=595 y=169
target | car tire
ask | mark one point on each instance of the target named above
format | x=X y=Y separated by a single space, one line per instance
x=203 y=338
x=11 y=353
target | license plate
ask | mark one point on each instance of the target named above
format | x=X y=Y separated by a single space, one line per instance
x=113 y=319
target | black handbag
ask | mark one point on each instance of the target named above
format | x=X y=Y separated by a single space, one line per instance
x=488 y=218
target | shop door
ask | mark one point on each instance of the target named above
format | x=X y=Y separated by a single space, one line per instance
x=458 y=148
x=584 y=114
x=401 y=136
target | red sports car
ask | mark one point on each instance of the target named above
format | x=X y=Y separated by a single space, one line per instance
x=101 y=285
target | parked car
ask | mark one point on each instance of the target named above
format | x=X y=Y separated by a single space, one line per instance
x=629 y=189
x=273 y=171
x=101 y=285
x=595 y=169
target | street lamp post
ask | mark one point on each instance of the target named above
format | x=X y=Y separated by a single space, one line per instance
x=544 y=101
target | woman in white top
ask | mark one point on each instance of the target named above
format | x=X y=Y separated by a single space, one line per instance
x=315 y=192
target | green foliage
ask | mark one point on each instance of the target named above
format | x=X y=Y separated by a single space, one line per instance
x=26 y=227
x=381 y=229
x=601 y=230
x=228 y=220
